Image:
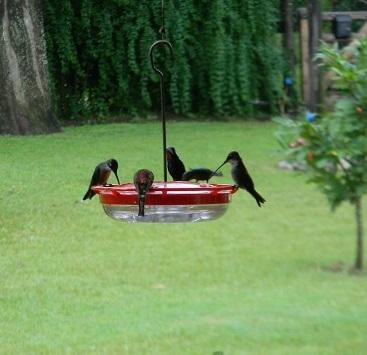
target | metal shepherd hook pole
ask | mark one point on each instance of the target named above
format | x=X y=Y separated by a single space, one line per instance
x=161 y=42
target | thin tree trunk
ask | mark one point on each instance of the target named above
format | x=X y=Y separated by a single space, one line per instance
x=314 y=9
x=25 y=98
x=359 y=223
x=287 y=9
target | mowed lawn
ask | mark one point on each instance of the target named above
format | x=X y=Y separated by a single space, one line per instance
x=271 y=280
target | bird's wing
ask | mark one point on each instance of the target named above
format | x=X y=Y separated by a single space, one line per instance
x=182 y=166
x=95 y=177
x=93 y=181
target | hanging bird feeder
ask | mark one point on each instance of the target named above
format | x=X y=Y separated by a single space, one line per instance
x=166 y=202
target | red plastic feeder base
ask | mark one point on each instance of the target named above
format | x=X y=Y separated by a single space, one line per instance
x=167 y=202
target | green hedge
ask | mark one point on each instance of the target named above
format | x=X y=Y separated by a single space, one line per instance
x=226 y=56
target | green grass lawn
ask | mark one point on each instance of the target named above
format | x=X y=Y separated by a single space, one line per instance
x=256 y=281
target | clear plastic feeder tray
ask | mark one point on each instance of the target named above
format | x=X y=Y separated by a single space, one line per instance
x=167 y=202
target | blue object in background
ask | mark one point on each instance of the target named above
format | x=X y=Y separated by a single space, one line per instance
x=310 y=116
x=288 y=81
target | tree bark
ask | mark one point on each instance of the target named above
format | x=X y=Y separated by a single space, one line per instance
x=314 y=10
x=25 y=97
x=287 y=10
x=305 y=55
x=359 y=223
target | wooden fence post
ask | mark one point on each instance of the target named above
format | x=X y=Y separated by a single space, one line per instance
x=305 y=55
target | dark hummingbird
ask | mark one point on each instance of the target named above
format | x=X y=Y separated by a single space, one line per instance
x=175 y=166
x=143 y=180
x=241 y=176
x=100 y=176
x=200 y=174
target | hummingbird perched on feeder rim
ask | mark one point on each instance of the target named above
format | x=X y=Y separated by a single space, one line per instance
x=100 y=176
x=143 y=180
x=200 y=174
x=241 y=176
x=175 y=166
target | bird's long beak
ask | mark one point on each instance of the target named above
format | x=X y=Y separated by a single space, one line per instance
x=117 y=177
x=219 y=167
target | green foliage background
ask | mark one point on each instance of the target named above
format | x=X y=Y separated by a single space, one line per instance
x=225 y=56
x=337 y=5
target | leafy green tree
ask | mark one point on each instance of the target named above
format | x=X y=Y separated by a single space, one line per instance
x=333 y=149
x=336 y=5
x=226 y=60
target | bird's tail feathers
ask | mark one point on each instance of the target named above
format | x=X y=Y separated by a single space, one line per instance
x=89 y=194
x=141 y=205
x=259 y=199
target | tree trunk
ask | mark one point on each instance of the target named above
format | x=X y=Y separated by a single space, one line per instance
x=287 y=10
x=25 y=98
x=314 y=9
x=359 y=223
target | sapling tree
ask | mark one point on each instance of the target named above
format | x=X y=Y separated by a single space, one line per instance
x=333 y=149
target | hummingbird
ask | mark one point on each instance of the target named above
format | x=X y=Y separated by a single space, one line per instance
x=200 y=174
x=176 y=167
x=143 y=180
x=241 y=176
x=100 y=176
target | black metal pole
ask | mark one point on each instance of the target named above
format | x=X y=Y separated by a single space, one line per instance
x=162 y=31
x=163 y=116
x=163 y=107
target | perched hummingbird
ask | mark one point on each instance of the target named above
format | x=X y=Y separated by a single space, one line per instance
x=176 y=167
x=241 y=176
x=143 y=180
x=200 y=174
x=100 y=176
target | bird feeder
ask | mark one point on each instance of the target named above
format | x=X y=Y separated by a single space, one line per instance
x=342 y=26
x=166 y=202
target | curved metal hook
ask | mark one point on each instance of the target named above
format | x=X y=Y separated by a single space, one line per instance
x=154 y=45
